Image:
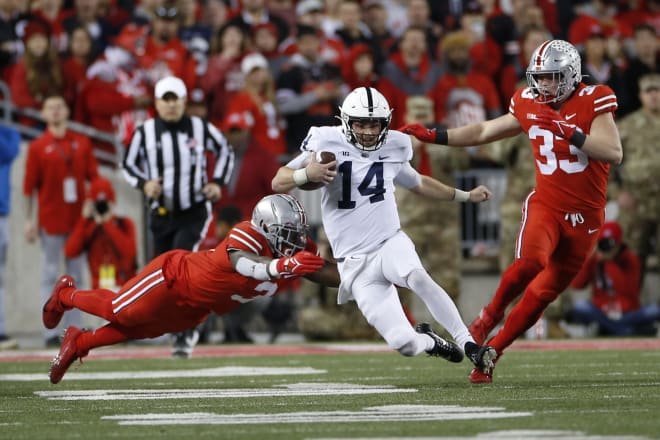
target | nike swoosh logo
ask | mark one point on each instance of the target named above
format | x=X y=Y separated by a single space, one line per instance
x=569 y=117
x=591 y=231
x=382 y=157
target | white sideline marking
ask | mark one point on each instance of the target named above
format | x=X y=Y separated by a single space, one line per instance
x=290 y=390
x=514 y=434
x=171 y=374
x=387 y=413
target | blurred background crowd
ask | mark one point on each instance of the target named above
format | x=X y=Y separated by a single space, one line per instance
x=264 y=71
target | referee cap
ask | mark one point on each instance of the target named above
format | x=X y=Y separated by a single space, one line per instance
x=170 y=84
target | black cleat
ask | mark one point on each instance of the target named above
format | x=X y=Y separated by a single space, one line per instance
x=483 y=357
x=442 y=348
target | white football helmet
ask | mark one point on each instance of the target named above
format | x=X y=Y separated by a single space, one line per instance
x=365 y=104
x=282 y=220
x=560 y=59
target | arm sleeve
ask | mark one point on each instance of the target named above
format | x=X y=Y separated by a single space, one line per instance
x=77 y=241
x=132 y=158
x=408 y=177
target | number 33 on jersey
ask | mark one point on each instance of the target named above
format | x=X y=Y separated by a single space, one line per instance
x=566 y=176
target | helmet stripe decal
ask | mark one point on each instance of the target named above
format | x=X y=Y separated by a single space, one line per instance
x=370 y=100
x=539 y=57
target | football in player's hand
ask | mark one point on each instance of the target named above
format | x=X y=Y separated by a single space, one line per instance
x=323 y=157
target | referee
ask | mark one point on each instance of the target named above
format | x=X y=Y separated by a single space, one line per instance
x=167 y=160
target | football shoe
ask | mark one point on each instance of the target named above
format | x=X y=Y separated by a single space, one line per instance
x=442 y=348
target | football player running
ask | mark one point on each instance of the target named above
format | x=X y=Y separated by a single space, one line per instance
x=574 y=140
x=360 y=218
x=178 y=289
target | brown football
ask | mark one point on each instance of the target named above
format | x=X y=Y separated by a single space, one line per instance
x=322 y=157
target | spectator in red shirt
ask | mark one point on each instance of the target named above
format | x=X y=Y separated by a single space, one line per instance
x=38 y=74
x=613 y=272
x=256 y=101
x=255 y=166
x=164 y=53
x=463 y=95
x=359 y=68
x=115 y=95
x=107 y=239
x=58 y=164
x=223 y=77
x=408 y=72
x=76 y=62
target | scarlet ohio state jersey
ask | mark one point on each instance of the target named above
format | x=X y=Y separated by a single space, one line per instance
x=210 y=279
x=566 y=178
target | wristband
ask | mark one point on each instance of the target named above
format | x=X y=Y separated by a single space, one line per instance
x=271 y=269
x=578 y=139
x=460 y=195
x=300 y=176
x=441 y=137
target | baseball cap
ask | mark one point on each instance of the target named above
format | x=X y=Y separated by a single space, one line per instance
x=611 y=235
x=101 y=189
x=170 y=84
x=307 y=6
x=36 y=27
x=237 y=121
x=253 y=61
x=649 y=81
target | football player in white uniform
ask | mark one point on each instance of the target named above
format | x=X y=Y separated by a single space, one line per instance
x=361 y=221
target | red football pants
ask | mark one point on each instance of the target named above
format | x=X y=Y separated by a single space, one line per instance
x=145 y=307
x=551 y=248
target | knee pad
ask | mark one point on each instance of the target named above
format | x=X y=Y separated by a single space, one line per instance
x=419 y=279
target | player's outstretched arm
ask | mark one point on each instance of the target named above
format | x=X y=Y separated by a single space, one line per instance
x=469 y=135
x=430 y=187
x=264 y=268
x=328 y=275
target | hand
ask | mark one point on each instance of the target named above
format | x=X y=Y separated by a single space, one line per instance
x=554 y=122
x=321 y=172
x=420 y=132
x=88 y=209
x=31 y=231
x=480 y=194
x=302 y=263
x=153 y=188
x=212 y=191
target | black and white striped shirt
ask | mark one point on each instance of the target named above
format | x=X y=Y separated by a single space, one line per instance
x=175 y=152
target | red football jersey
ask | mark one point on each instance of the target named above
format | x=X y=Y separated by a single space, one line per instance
x=208 y=279
x=566 y=178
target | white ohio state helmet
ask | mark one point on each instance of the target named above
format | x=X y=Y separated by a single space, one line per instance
x=365 y=104
x=282 y=220
x=560 y=59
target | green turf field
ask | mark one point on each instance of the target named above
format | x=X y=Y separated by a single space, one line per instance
x=537 y=394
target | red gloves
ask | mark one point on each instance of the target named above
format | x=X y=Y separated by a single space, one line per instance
x=552 y=121
x=302 y=263
x=422 y=133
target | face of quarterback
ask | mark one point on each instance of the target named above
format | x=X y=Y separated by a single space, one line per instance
x=366 y=132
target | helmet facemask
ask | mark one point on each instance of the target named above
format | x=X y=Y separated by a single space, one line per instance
x=365 y=105
x=558 y=61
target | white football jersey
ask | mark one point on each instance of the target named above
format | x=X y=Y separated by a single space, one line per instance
x=358 y=208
